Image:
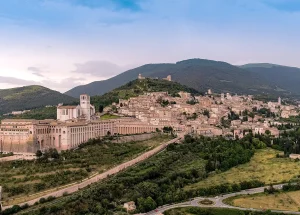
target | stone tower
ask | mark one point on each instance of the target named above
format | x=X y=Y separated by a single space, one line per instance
x=140 y=77
x=169 y=78
x=279 y=101
x=85 y=106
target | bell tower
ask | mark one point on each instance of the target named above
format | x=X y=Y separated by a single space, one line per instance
x=85 y=106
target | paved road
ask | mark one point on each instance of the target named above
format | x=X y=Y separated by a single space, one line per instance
x=218 y=202
x=77 y=186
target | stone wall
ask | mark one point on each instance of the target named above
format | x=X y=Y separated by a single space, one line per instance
x=137 y=137
x=25 y=156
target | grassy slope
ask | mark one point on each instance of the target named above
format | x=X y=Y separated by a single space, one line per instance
x=139 y=87
x=212 y=211
x=30 y=97
x=161 y=177
x=289 y=201
x=264 y=166
x=108 y=116
x=97 y=158
x=37 y=113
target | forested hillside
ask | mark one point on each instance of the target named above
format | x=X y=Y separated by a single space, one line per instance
x=139 y=87
x=285 y=79
x=37 y=113
x=203 y=74
x=29 y=97
x=159 y=180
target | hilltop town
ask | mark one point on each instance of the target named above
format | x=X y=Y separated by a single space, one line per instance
x=232 y=116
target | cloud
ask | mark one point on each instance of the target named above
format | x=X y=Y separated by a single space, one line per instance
x=36 y=71
x=61 y=85
x=16 y=81
x=99 y=68
x=65 y=83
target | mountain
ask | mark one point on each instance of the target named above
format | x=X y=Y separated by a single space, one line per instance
x=196 y=73
x=285 y=79
x=139 y=87
x=22 y=98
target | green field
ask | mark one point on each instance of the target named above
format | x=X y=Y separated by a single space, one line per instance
x=284 y=201
x=212 y=211
x=21 y=178
x=264 y=166
x=109 y=116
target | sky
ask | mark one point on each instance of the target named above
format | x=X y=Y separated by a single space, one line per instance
x=61 y=44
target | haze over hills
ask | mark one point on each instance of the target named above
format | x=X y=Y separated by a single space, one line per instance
x=29 y=97
x=204 y=74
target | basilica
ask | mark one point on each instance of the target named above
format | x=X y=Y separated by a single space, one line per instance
x=74 y=125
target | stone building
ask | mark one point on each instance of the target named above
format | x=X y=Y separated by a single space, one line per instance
x=84 y=111
x=168 y=78
x=74 y=126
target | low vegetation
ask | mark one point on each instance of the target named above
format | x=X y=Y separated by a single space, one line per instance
x=284 y=201
x=213 y=211
x=139 y=87
x=20 y=178
x=37 y=113
x=17 y=99
x=6 y=155
x=109 y=116
x=157 y=181
x=264 y=166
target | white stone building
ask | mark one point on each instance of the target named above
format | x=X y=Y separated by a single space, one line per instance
x=83 y=111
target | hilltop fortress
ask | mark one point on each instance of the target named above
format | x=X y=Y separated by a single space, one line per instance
x=209 y=115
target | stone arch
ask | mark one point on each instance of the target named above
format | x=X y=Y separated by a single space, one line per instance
x=59 y=141
x=42 y=144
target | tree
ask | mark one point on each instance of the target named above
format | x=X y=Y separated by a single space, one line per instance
x=54 y=153
x=149 y=204
x=145 y=205
x=39 y=153
x=206 y=113
x=101 y=108
x=251 y=115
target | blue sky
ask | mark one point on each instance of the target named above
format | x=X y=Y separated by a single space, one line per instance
x=64 y=43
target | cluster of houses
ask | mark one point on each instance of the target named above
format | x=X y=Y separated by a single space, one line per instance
x=205 y=115
x=209 y=115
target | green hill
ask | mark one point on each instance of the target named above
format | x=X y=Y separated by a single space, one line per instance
x=29 y=97
x=285 y=79
x=255 y=65
x=196 y=73
x=139 y=87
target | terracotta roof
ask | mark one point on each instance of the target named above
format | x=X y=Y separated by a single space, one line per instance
x=67 y=107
